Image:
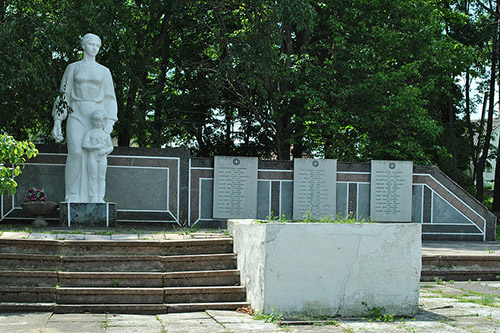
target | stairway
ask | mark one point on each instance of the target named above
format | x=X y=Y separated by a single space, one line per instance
x=75 y=276
x=460 y=267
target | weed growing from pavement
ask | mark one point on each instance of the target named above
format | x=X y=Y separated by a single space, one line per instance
x=377 y=313
x=314 y=319
x=105 y=323
x=469 y=296
x=309 y=218
x=446 y=266
x=490 y=251
x=163 y=329
x=272 y=317
x=438 y=280
x=103 y=233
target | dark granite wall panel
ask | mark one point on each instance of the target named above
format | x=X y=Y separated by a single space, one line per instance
x=207 y=194
x=275 y=198
x=363 y=201
x=342 y=189
x=445 y=213
x=353 y=199
x=287 y=199
x=427 y=205
x=263 y=199
x=416 y=213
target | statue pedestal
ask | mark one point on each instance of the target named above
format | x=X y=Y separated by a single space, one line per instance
x=82 y=214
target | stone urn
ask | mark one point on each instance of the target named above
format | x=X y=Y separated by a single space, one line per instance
x=39 y=209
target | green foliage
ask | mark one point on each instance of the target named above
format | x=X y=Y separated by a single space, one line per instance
x=377 y=313
x=438 y=280
x=13 y=154
x=309 y=218
x=353 y=80
x=488 y=203
x=272 y=317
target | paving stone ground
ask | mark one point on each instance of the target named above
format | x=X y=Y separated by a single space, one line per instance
x=111 y=234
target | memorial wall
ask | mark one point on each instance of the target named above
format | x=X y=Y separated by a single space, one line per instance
x=169 y=186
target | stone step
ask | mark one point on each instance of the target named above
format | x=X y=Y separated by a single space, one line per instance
x=196 y=307
x=205 y=294
x=202 y=262
x=461 y=267
x=26 y=307
x=119 y=279
x=84 y=308
x=229 y=277
x=88 y=295
x=66 y=276
x=39 y=262
x=159 y=308
x=83 y=295
x=116 y=247
x=460 y=275
x=119 y=308
x=465 y=232
x=29 y=278
x=110 y=279
x=117 y=263
x=444 y=261
x=28 y=294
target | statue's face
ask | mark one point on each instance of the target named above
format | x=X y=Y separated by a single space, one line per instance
x=91 y=47
x=99 y=122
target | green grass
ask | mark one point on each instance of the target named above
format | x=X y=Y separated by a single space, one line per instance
x=475 y=297
x=309 y=218
x=272 y=317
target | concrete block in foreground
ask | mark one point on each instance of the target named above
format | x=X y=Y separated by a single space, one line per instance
x=329 y=269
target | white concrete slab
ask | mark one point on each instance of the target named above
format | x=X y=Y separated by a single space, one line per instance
x=329 y=269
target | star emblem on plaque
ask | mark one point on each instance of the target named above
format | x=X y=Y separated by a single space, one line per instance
x=236 y=161
x=315 y=164
x=392 y=165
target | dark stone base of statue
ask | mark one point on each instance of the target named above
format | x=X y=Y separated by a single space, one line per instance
x=87 y=215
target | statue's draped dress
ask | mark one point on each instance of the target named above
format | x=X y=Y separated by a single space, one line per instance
x=87 y=87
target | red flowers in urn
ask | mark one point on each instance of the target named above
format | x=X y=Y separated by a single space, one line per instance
x=36 y=204
x=35 y=194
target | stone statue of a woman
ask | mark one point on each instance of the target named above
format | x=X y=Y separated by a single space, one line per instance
x=86 y=87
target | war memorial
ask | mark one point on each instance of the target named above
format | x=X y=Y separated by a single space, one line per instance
x=321 y=268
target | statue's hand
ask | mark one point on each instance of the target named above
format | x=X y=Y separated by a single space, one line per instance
x=57 y=132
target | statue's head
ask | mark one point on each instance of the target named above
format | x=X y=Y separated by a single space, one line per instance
x=98 y=118
x=91 y=44
x=91 y=37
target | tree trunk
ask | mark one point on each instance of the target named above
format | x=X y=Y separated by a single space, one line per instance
x=451 y=127
x=496 y=188
x=468 y=121
x=489 y=124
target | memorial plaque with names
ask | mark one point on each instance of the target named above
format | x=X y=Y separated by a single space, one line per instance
x=391 y=191
x=235 y=187
x=314 y=187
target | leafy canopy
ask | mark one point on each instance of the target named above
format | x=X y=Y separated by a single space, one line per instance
x=13 y=154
